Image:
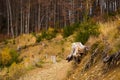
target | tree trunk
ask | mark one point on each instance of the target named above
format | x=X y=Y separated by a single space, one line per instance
x=21 y=22
x=11 y=25
x=8 y=18
x=28 y=17
x=39 y=26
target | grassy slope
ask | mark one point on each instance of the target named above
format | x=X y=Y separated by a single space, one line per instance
x=33 y=55
x=110 y=33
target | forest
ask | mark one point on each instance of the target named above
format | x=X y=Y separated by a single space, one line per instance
x=27 y=16
x=59 y=39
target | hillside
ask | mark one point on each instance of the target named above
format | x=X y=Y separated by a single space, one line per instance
x=45 y=60
x=92 y=66
x=36 y=58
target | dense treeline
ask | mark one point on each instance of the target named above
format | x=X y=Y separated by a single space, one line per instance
x=26 y=16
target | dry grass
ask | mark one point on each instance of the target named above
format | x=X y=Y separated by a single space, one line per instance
x=110 y=33
x=25 y=39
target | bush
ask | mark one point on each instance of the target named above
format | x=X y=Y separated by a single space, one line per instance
x=33 y=34
x=5 y=41
x=8 y=56
x=51 y=33
x=86 y=30
x=68 y=30
x=44 y=35
x=14 y=41
x=16 y=71
x=5 y=57
x=38 y=38
x=14 y=55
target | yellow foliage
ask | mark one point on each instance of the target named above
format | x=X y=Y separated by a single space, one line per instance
x=16 y=70
x=5 y=56
x=50 y=29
